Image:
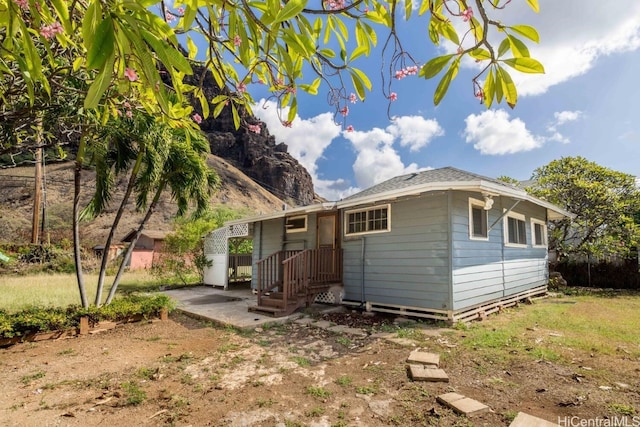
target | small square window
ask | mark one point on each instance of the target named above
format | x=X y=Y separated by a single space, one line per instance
x=478 y=218
x=296 y=224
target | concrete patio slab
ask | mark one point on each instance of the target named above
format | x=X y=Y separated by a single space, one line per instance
x=424 y=358
x=230 y=307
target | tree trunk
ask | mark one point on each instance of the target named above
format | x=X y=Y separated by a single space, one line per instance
x=127 y=255
x=37 y=196
x=76 y=222
x=114 y=226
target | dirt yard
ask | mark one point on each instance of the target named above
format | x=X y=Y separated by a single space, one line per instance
x=186 y=373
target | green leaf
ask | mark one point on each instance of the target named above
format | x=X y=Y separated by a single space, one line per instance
x=489 y=89
x=498 y=86
x=328 y=53
x=518 y=48
x=478 y=30
x=508 y=87
x=218 y=106
x=363 y=77
x=448 y=31
x=293 y=110
x=169 y=56
x=434 y=66
x=448 y=77
x=504 y=46
x=358 y=51
x=525 y=65
x=99 y=85
x=290 y=9
x=236 y=116
x=533 y=4
x=408 y=6
x=527 y=31
x=63 y=14
x=103 y=46
x=480 y=54
x=90 y=22
x=193 y=49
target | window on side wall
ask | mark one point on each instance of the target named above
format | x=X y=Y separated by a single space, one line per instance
x=296 y=224
x=539 y=233
x=478 y=219
x=371 y=220
x=515 y=230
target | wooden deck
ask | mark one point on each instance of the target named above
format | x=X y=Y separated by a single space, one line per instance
x=288 y=280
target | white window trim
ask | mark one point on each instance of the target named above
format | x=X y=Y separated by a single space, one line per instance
x=296 y=230
x=478 y=204
x=505 y=229
x=545 y=237
x=370 y=208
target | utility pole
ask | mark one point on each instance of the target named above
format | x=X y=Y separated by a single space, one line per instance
x=37 y=197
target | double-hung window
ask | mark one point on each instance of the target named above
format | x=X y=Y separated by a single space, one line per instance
x=369 y=220
x=296 y=224
x=477 y=220
x=515 y=230
x=539 y=233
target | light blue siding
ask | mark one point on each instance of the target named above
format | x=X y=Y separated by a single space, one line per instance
x=407 y=266
x=484 y=270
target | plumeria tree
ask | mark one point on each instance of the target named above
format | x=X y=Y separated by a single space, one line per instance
x=122 y=48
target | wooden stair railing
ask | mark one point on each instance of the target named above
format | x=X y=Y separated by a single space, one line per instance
x=299 y=278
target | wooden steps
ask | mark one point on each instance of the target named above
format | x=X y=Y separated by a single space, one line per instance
x=273 y=304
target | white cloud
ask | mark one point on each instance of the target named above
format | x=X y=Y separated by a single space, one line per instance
x=493 y=132
x=306 y=138
x=563 y=117
x=414 y=131
x=376 y=159
x=573 y=36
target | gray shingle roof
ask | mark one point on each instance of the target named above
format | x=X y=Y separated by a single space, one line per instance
x=441 y=175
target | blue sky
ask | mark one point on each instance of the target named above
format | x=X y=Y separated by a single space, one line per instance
x=585 y=104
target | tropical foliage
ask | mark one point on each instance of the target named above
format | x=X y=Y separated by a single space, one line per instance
x=604 y=201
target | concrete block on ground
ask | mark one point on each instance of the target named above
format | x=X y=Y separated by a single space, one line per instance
x=426 y=373
x=526 y=420
x=462 y=405
x=419 y=357
x=304 y=321
x=323 y=324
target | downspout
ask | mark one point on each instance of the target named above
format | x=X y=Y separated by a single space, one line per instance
x=362 y=254
x=450 y=254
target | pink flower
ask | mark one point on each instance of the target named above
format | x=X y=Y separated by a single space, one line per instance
x=254 y=128
x=393 y=96
x=480 y=95
x=24 y=4
x=292 y=89
x=50 y=31
x=412 y=71
x=261 y=81
x=237 y=40
x=467 y=14
x=287 y=124
x=352 y=98
x=129 y=113
x=169 y=17
x=197 y=118
x=399 y=74
x=127 y=105
x=344 y=111
x=460 y=50
x=242 y=87
x=181 y=10
x=350 y=128
x=131 y=74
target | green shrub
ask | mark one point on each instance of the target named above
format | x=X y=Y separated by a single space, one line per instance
x=43 y=319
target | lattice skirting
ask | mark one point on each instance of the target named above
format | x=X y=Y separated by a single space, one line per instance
x=332 y=296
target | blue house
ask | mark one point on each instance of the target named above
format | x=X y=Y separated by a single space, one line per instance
x=443 y=244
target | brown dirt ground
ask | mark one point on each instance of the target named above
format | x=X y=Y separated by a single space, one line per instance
x=188 y=373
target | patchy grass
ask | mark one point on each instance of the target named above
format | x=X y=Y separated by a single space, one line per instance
x=61 y=290
x=554 y=329
x=319 y=392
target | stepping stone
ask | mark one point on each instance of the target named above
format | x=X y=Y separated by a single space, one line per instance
x=424 y=358
x=322 y=324
x=426 y=373
x=341 y=329
x=304 y=321
x=526 y=420
x=462 y=405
